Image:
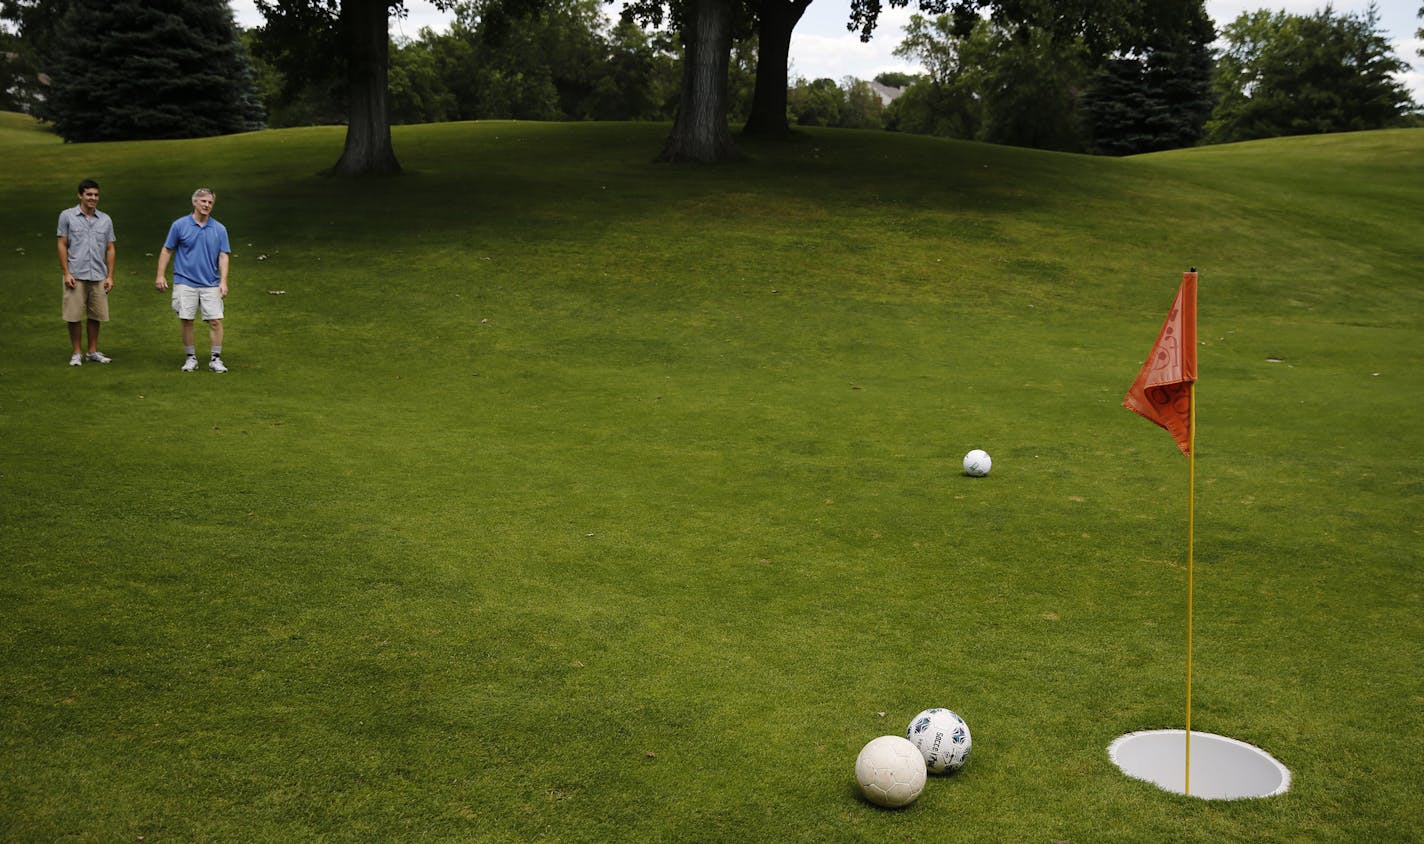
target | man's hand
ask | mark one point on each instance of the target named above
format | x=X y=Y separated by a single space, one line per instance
x=70 y=281
x=161 y=282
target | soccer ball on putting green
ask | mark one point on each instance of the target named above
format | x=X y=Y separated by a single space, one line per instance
x=890 y=772
x=977 y=463
x=943 y=738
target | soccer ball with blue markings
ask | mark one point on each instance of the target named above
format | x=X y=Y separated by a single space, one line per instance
x=943 y=739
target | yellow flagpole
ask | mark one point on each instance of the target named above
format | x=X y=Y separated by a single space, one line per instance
x=1191 y=533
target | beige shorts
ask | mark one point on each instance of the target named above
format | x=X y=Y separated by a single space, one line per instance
x=85 y=299
x=189 y=302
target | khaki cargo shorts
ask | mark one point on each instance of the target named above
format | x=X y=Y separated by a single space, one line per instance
x=85 y=299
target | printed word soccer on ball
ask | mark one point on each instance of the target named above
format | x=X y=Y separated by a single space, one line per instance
x=943 y=738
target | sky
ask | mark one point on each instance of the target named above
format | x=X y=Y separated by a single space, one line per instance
x=821 y=46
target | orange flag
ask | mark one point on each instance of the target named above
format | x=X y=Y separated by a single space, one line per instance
x=1162 y=392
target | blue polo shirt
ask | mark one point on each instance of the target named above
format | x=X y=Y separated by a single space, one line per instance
x=195 y=251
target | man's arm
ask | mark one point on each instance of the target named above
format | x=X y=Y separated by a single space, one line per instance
x=161 y=282
x=64 y=262
x=222 y=274
x=109 y=256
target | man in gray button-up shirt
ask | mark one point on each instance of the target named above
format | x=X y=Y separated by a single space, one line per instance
x=86 y=257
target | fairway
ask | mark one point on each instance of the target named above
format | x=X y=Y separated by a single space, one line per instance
x=558 y=495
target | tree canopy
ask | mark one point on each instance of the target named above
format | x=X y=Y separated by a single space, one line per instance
x=26 y=49
x=1105 y=76
x=139 y=69
x=1010 y=86
x=1284 y=74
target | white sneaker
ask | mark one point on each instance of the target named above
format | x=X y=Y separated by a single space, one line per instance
x=190 y=364
x=216 y=365
x=98 y=357
x=76 y=359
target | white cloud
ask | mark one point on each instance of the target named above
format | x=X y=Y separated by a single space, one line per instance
x=821 y=47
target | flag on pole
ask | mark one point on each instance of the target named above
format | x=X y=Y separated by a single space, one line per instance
x=1162 y=392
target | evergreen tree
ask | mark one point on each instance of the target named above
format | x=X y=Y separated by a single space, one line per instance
x=1157 y=96
x=136 y=69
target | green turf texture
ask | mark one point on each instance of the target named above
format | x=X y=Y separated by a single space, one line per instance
x=566 y=496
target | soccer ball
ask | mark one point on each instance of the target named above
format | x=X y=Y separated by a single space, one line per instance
x=942 y=737
x=890 y=772
x=977 y=463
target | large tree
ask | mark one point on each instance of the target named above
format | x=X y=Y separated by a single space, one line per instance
x=699 y=131
x=545 y=66
x=1018 y=74
x=948 y=99
x=136 y=69
x=1008 y=86
x=1011 y=71
x=26 y=50
x=1157 y=94
x=19 y=74
x=560 y=62
x=706 y=29
x=1148 y=103
x=1031 y=90
x=776 y=19
x=1284 y=74
x=309 y=40
x=365 y=39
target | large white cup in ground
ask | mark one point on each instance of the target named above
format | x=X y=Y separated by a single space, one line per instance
x=1222 y=768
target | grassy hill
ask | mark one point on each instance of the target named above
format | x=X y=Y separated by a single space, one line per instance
x=559 y=495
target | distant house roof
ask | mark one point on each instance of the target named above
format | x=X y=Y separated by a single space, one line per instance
x=886 y=93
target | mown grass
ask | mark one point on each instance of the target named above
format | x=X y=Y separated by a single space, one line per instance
x=566 y=496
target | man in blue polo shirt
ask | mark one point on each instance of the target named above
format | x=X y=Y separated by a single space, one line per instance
x=199 y=248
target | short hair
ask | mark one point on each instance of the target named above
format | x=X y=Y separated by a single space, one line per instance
x=201 y=191
x=87 y=184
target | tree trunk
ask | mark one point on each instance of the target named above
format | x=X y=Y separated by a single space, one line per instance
x=699 y=132
x=778 y=19
x=368 y=149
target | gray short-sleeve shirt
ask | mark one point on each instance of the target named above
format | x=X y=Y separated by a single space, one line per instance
x=89 y=241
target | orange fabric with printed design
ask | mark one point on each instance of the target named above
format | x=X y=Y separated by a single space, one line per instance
x=1162 y=392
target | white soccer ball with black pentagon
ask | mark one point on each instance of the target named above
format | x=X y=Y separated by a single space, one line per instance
x=977 y=463
x=890 y=772
x=942 y=737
